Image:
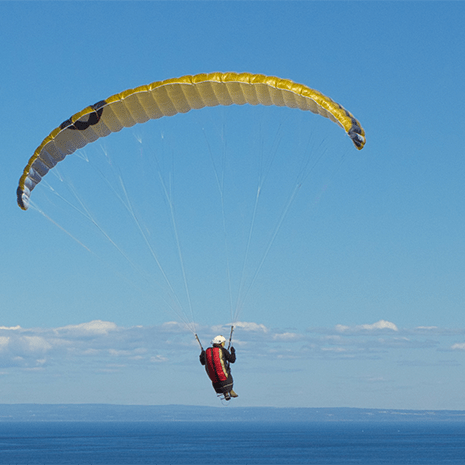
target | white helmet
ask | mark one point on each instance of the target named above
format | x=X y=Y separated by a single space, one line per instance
x=218 y=340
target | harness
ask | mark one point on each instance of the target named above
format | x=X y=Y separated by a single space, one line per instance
x=217 y=367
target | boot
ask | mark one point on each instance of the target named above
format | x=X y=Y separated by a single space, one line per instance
x=232 y=393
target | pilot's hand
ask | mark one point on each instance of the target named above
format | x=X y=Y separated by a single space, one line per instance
x=233 y=350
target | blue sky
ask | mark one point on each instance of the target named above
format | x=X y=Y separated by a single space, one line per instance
x=360 y=299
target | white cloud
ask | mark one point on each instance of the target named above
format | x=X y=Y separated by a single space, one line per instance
x=379 y=325
x=103 y=342
x=342 y=328
x=87 y=351
x=287 y=336
x=4 y=342
x=36 y=344
x=435 y=330
x=251 y=327
x=172 y=326
x=95 y=327
x=458 y=346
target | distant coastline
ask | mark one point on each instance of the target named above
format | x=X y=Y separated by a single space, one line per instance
x=160 y=413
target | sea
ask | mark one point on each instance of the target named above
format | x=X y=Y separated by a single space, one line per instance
x=231 y=442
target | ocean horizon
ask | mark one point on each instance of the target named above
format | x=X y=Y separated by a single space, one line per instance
x=174 y=412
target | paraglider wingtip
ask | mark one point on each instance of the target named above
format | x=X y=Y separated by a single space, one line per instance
x=358 y=140
x=22 y=199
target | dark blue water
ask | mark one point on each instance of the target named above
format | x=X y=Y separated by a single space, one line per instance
x=231 y=443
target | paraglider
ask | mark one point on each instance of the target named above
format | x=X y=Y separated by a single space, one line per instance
x=168 y=98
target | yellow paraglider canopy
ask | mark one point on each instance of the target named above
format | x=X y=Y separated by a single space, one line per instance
x=169 y=97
